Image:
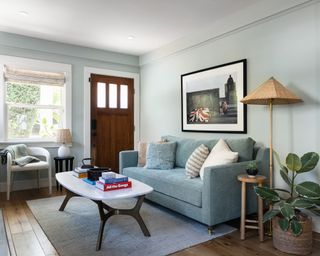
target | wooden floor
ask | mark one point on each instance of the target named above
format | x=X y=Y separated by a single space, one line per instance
x=26 y=237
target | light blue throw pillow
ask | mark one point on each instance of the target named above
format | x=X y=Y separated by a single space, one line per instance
x=161 y=155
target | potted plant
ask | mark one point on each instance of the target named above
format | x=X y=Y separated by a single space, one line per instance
x=292 y=228
x=252 y=169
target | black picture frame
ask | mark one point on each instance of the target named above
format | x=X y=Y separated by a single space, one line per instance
x=210 y=99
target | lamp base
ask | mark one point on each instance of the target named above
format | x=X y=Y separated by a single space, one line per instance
x=63 y=151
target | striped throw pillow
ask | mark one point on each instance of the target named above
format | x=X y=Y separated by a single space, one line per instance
x=196 y=160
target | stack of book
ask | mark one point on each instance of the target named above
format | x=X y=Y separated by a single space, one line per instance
x=80 y=173
x=112 y=181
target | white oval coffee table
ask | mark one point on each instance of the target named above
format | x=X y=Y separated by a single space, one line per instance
x=77 y=187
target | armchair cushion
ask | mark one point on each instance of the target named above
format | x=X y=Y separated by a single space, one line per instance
x=41 y=165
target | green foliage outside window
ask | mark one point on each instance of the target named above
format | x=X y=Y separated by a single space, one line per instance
x=22 y=120
x=27 y=121
x=22 y=93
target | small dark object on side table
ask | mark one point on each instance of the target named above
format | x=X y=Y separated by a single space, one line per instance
x=252 y=169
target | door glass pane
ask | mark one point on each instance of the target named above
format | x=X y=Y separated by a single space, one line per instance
x=101 y=95
x=112 y=96
x=123 y=96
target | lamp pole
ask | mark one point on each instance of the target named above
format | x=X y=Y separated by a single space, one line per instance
x=271 y=148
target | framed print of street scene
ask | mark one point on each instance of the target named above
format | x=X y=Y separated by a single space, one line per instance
x=210 y=99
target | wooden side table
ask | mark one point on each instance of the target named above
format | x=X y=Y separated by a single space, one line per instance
x=59 y=166
x=258 y=179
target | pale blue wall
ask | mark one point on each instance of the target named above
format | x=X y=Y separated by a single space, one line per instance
x=286 y=47
x=78 y=57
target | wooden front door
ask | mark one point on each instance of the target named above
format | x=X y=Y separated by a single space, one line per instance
x=112 y=125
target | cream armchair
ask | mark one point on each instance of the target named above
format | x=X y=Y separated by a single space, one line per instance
x=37 y=166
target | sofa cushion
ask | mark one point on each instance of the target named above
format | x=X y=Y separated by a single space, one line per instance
x=219 y=155
x=161 y=155
x=185 y=148
x=196 y=161
x=142 y=153
x=173 y=183
x=243 y=146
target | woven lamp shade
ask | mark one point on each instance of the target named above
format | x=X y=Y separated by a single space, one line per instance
x=273 y=92
x=64 y=136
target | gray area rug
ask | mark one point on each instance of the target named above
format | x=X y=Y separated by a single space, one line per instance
x=75 y=231
x=4 y=248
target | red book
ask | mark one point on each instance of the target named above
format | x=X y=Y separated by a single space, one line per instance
x=113 y=186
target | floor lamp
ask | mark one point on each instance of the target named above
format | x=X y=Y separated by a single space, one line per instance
x=271 y=93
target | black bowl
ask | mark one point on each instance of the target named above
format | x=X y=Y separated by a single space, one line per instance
x=252 y=172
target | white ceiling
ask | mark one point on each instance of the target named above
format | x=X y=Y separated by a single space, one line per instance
x=107 y=24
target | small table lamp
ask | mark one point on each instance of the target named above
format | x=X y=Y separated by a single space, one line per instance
x=64 y=137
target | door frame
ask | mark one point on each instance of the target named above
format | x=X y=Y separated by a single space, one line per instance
x=87 y=103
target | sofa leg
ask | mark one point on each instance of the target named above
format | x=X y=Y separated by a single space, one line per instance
x=210 y=230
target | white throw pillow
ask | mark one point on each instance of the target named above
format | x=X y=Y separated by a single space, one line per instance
x=220 y=154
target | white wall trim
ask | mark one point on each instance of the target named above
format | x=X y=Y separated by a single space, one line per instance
x=28 y=184
x=87 y=102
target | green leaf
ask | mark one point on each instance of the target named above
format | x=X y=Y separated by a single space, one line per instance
x=282 y=190
x=267 y=194
x=287 y=211
x=308 y=189
x=315 y=201
x=269 y=215
x=315 y=211
x=289 y=200
x=302 y=203
x=293 y=162
x=309 y=161
x=296 y=227
x=284 y=175
x=284 y=224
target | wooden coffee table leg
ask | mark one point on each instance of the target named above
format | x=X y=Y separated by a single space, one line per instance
x=134 y=212
x=66 y=199
x=103 y=219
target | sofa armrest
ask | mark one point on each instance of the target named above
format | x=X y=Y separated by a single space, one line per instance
x=221 y=195
x=127 y=158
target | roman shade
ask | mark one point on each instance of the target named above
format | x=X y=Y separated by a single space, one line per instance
x=25 y=76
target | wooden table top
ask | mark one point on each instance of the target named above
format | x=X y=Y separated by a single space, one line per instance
x=255 y=179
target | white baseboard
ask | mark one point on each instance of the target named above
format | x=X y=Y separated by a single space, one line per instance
x=27 y=184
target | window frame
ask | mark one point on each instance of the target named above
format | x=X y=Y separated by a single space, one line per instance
x=39 y=65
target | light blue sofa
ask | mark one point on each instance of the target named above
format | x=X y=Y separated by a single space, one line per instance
x=213 y=200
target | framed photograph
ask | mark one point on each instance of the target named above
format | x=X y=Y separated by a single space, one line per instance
x=210 y=99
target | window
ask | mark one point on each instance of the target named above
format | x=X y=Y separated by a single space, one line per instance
x=124 y=96
x=101 y=95
x=113 y=96
x=36 y=99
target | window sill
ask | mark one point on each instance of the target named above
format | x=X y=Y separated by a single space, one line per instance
x=44 y=144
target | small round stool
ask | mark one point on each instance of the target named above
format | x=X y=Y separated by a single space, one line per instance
x=258 y=179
